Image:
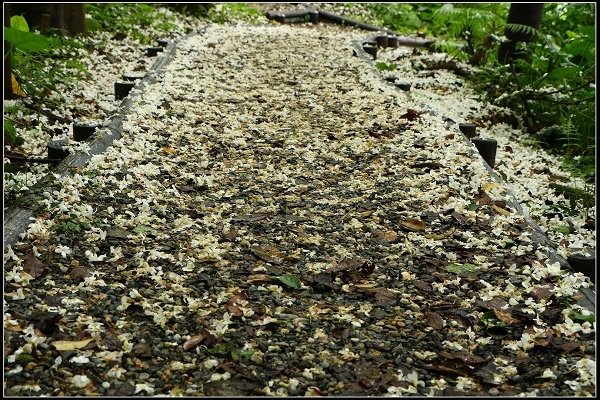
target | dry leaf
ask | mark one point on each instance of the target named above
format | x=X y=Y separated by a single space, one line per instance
x=79 y=273
x=467 y=358
x=569 y=346
x=268 y=254
x=424 y=286
x=489 y=186
x=259 y=278
x=542 y=342
x=500 y=210
x=505 y=317
x=232 y=304
x=194 y=341
x=441 y=236
x=412 y=224
x=169 y=150
x=230 y=234
x=541 y=293
x=387 y=236
x=34 y=266
x=434 y=320
x=483 y=198
x=384 y=295
x=64 y=345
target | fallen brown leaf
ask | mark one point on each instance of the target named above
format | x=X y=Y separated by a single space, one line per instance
x=434 y=320
x=424 y=286
x=34 y=266
x=63 y=345
x=232 y=304
x=505 y=316
x=268 y=254
x=467 y=358
x=259 y=278
x=194 y=341
x=386 y=236
x=413 y=225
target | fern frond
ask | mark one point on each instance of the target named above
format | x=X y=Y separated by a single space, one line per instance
x=520 y=28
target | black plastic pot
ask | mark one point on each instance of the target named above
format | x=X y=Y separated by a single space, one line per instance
x=403 y=86
x=392 y=41
x=132 y=76
x=163 y=42
x=487 y=149
x=382 y=41
x=314 y=16
x=468 y=129
x=83 y=130
x=122 y=89
x=57 y=149
x=153 y=51
x=584 y=264
x=372 y=50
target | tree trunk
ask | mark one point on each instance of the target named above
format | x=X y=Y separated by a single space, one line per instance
x=7 y=66
x=66 y=19
x=529 y=14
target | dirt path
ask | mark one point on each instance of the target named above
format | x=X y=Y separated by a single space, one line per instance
x=278 y=220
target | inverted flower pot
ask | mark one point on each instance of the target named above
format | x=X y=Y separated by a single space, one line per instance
x=584 y=264
x=122 y=89
x=153 y=51
x=487 y=149
x=468 y=129
x=57 y=149
x=83 y=130
x=372 y=50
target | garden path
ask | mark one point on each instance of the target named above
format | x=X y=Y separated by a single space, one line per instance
x=276 y=219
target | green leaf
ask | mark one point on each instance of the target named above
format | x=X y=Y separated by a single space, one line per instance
x=580 y=317
x=583 y=47
x=143 y=229
x=12 y=168
x=25 y=41
x=11 y=136
x=24 y=357
x=221 y=348
x=385 y=67
x=472 y=207
x=560 y=74
x=564 y=229
x=460 y=269
x=19 y=22
x=289 y=280
x=487 y=316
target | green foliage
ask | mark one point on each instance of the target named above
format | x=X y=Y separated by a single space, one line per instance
x=71 y=226
x=11 y=137
x=129 y=19
x=576 y=316
x=386 y=67
x=399 y=17
x=289 y=280
x=41 y=62
x=467 y=31
x=19 y=22
x=462 y=269
x=518 y=28
x=23 y=41
x=553 y=86
x=227 y=12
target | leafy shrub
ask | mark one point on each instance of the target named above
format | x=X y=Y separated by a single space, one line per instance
x=130 y=19
x=227 y=12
